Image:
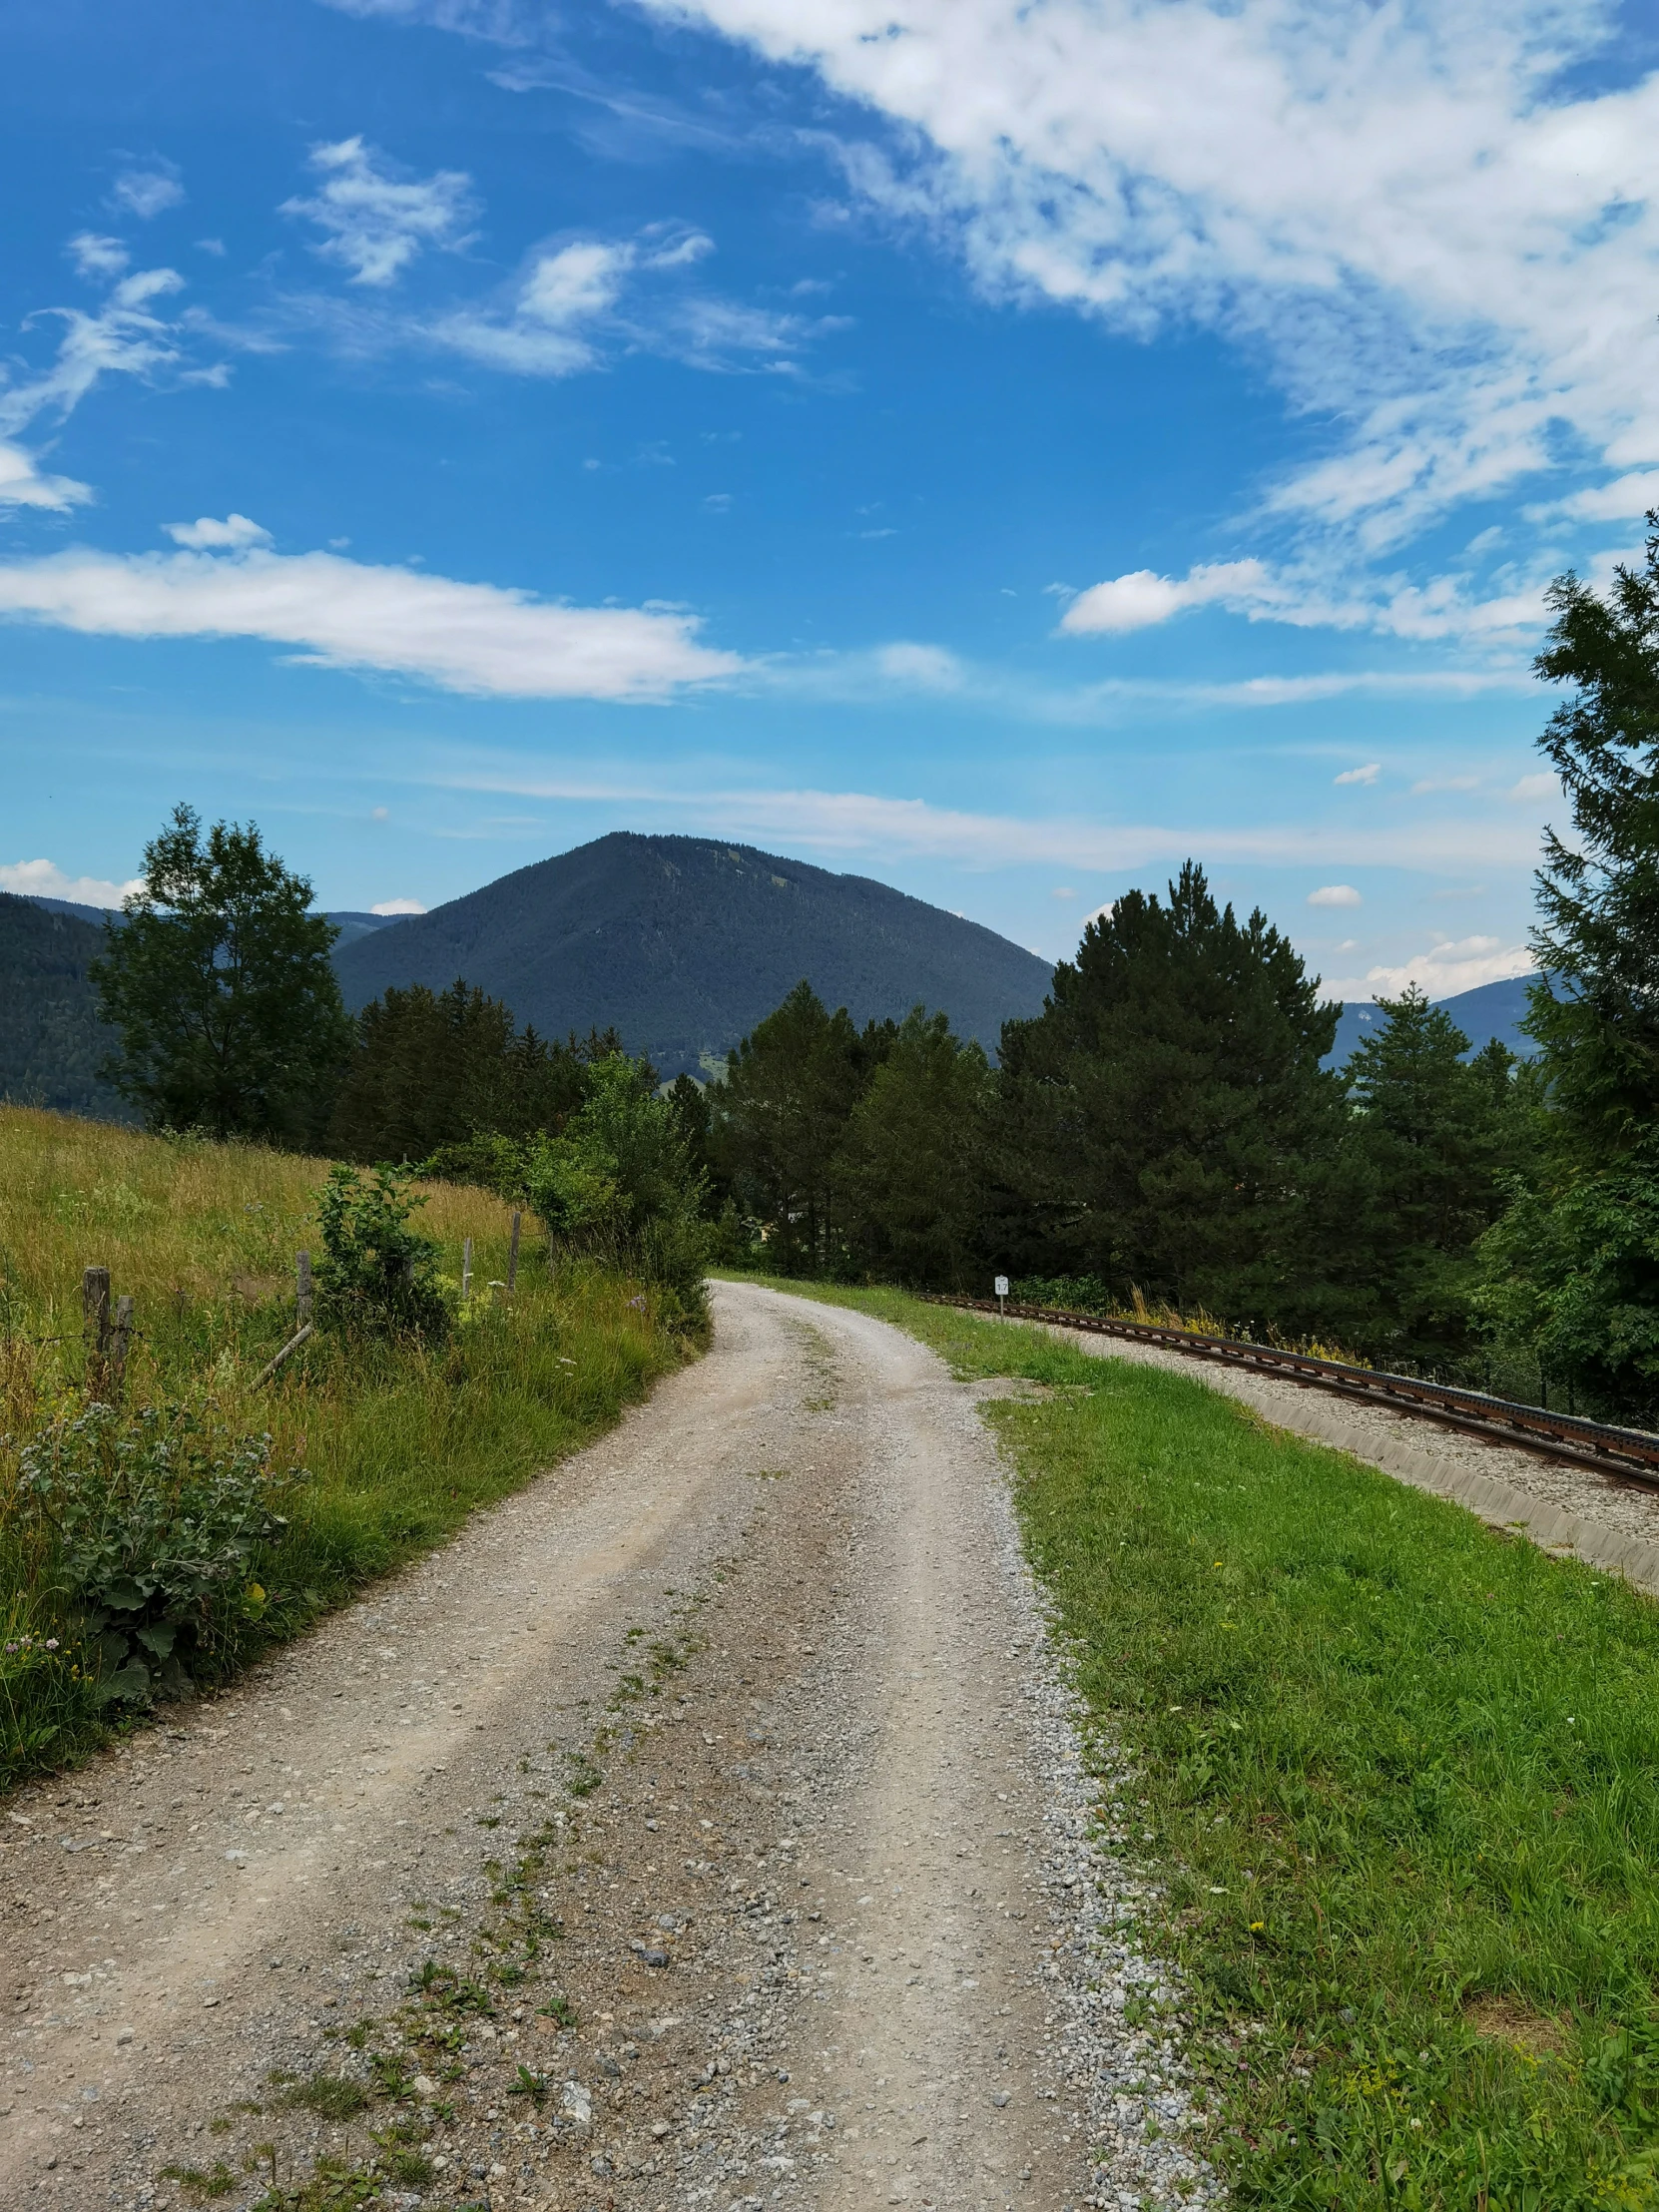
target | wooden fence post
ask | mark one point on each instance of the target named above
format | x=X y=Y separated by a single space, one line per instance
x=303 y=1288
x=95 y=1322
x=512 y=1253
x=121 y=1337
x=467 y=1266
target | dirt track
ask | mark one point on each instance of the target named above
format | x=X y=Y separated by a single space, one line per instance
x=734 y=1739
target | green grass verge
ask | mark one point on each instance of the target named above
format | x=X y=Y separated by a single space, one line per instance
x=1400 y=1776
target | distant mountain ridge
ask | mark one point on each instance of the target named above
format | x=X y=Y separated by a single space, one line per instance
x=684 y=944
x=50 y=1039
x=1489 y=1011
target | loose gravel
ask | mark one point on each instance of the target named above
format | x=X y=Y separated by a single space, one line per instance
x=709 y=1825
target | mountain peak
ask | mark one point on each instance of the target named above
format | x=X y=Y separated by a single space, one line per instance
x=684 y=944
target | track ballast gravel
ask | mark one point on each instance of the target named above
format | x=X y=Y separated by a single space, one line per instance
x=706 y=1827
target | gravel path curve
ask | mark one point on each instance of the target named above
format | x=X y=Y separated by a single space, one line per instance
x=706 y=1827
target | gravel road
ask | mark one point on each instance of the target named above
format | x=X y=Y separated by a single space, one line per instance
x=705 y=1827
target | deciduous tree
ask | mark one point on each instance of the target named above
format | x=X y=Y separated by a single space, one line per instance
x=219 y=980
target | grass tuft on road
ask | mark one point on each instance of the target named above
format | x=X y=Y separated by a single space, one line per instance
x=1400 y=1774
x=403 y=1438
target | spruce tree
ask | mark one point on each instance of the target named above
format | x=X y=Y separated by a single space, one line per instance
x=1435 y=1133
x=1595 y=1008
x=1571 y=1272
x=913 y=1160
x=779 y=1119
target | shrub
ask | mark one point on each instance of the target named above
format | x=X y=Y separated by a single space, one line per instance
x=153 y=1520
x=619 y=1185
x=378 y=1270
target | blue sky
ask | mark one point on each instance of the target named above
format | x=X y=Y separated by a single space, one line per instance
x=998 y=449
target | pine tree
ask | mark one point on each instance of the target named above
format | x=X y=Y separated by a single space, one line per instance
x=1164 y=1118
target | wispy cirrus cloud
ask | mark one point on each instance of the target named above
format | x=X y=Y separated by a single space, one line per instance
x=1408 y=213
x=579 y=301
x=148 y=189
x=877 y=823
x=478 y=638
x=375 y=220
x=127 y=335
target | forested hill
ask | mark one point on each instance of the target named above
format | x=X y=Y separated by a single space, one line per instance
x=685 y=944
x=1489 y=1011
x=51 y=1041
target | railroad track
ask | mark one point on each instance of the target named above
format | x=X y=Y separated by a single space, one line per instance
x=1587 y=1443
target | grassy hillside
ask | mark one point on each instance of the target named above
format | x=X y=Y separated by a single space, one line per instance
x=684 y=945
x=401 y=1437
x=51 y=1041
x=1397 y=1774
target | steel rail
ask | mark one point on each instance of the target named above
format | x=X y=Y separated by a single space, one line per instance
x=1633 y=1452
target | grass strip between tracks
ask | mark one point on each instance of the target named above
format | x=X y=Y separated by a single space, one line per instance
x=1401 y=1784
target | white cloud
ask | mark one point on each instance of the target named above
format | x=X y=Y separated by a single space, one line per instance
x=98 y=257
x=1366 y=775
x=22 y=483
x=1303 y=595
x=148 y=191
x=876 y=821
x=1062 y=890
x=125 y=337
x=204 y=535
x=1445 y=783
x=928 y=667
x=1440 y=242
x=473 y=638
x=44 y=879
x=1532 y=788
x=1335 y=894
x=1624 y=500
x=399 y=906
x=573 y=298
x=375 y=222
x=1142 y=597
x=1442 y=971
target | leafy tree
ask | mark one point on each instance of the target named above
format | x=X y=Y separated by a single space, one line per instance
x=1573 y=1271
x=619 y=1184
x=1435 y=1133
x=913 y=1162
x=219 y=983
x=436 y=1069
x=1165 y=1121
x=780 y=1117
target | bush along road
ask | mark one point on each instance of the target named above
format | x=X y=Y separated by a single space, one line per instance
x=704 y=1825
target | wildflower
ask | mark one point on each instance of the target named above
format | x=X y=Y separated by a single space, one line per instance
x=51 y=1643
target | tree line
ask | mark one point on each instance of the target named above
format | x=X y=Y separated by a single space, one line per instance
x=1163 y=1131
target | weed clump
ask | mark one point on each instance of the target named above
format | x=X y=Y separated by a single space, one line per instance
x=151 y=1522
